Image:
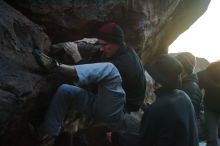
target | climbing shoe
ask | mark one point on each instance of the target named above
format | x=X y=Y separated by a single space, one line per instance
x=44 y=61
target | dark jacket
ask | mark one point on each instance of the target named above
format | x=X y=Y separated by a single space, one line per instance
x=191 y=87
x=169 y=121
x=132 y=73
x=212 y=92
x=133 y=77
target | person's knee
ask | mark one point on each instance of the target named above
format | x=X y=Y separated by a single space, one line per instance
x=111 y=66
x=114 y=71
x=67 y=87
x=63 y=87
x=67 y=90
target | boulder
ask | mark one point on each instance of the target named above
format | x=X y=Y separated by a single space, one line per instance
x=150 y=26
x=20 y=77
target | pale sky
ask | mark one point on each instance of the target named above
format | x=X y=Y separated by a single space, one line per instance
x=202 y=38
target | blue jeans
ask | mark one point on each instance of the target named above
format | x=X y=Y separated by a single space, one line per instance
x=105 y=106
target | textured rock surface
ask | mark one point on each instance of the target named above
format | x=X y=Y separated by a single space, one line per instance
x=19 y=81
x=150 y=26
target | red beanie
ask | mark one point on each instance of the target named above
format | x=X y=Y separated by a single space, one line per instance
x=111 y=32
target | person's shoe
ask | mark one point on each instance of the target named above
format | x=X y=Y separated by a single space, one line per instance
x=40 y=138
x=43 y=60
x=47 y=140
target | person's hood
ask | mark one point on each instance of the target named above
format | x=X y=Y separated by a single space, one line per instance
x=188 y=60
x=191 y=77
x=166 y=70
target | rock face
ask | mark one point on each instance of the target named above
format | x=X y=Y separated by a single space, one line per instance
x=19 y=81
x=150 y=27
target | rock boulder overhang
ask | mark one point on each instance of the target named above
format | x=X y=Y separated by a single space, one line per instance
x=150 y=26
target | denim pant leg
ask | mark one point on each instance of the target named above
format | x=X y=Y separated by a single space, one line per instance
x=65 y=96
x=212 y=121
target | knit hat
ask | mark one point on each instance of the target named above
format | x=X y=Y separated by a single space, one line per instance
x=111 y=32
x=188 y=61
x=166 y=70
